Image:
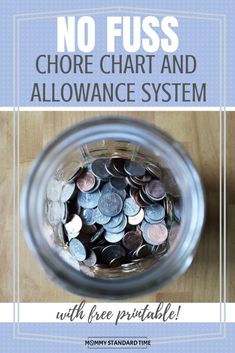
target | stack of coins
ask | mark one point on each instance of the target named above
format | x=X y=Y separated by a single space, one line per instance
x=114 y=212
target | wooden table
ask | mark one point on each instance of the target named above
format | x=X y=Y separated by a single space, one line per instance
x=199 y=134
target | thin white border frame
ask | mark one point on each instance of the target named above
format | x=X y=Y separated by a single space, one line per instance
x=17 y=19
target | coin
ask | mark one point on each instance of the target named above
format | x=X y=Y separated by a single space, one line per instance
x=132 y=183
x=143 y=250
x=88 y=216
x=69 y=258
x=97 y=236
x=54 y=188
x=144 y=197
x=111 y=252
x=136 y=196
x=109 y=188
x=110 y=168
x=59 y=234
x=149 y=220
x=118 y=183
x=91 y=259
x=168 y=205
x=118 y=165
x=146 y=178
x=110 y=204
x=157 y=233
x=55 y=212
x=144 y=227
x=86 y=182
x=75 y=175
x=134 y=169
x=116 y=262
x=98 y=169
x=74 y=225
x=100 y=218
x=155 y=189
x=77 y=249
x=131 y=255
x=96 y=187
x=113 y=237
x=154 y=170
x=155 y=212
x=97 y=250
x=67 y=192
x=169 y=181
x=130 y=208
x=89 y=229
x=132 y=240
x=88 y=200
x=118 y=228
x=115 y=221
x=65 y=216
x=138 y=218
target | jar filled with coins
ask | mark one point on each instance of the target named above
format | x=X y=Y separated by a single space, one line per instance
x=113 y=208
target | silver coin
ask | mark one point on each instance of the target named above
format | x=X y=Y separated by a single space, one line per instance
x=72 y=235
x=110 y=204
x=88 y=200
x=115 y=221
x=74 y=226
x=149 y=220
x=77 y=249
x=54 y=189
x=137 y=219
x=119 y=228
x=91 y=259
x=100 y=218
x=113 y=237
x=133 y=168
x=118 y=183
x=130 y=207
x=155 y=212
x=88 y=216
x=99 y=170
x=67 y=192
x=55 y=212
x=59 y=234
x=66 y=213
x=109 y=188
x=69 y=258
x=144 y=227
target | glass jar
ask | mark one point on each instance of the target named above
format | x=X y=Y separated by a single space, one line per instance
x=101 y=138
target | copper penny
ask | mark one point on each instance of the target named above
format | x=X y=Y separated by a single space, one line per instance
x=157 y=233
x=132 y=240
x=139 y=200
x=86 y=182
x=137 y=219
x=146 y=178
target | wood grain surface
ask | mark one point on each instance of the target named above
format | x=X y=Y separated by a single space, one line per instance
x=199 y=134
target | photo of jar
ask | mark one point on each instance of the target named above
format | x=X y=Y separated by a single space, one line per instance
x=119 y=206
